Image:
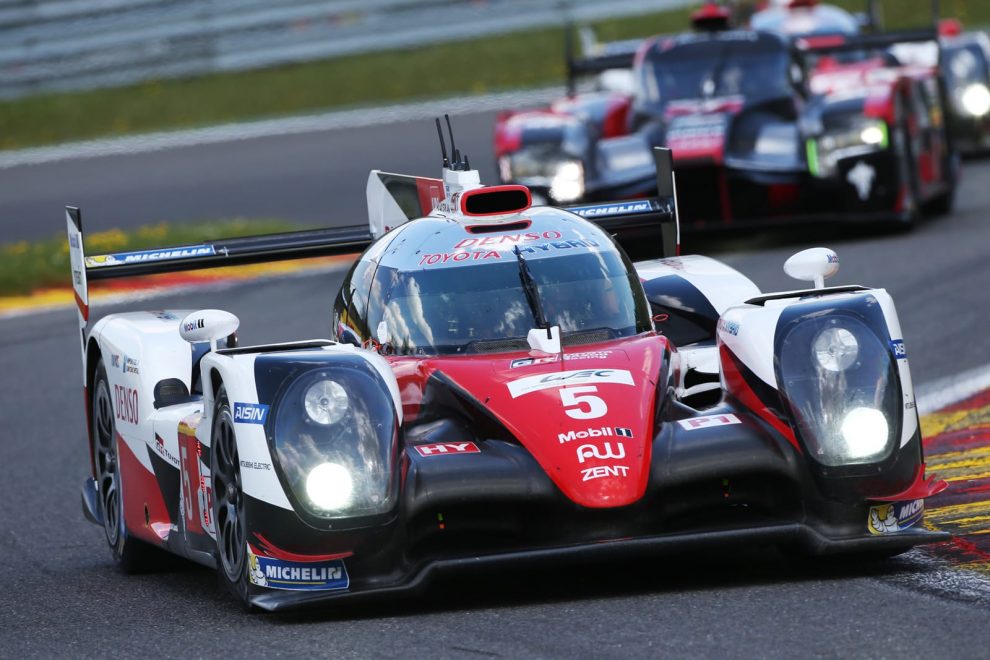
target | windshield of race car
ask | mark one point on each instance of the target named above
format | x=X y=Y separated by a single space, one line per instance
x=709 y=68
x=482 y=308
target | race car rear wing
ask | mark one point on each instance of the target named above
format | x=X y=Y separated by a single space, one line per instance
x=612 y=55
x=864 y=42
x=208 y=254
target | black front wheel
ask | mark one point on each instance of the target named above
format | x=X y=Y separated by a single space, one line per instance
x=228 y=502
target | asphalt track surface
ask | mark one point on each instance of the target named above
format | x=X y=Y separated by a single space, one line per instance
x=60 y=594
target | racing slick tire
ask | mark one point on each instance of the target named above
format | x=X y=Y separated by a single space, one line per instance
x=228 y=502
x=130 y=554
x=907 y=174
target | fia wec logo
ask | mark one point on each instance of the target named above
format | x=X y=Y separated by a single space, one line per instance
x=545 y=381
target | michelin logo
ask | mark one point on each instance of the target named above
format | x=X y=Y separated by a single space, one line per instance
x=297 y=576
x=892 y=518
x=605 y=210
x=188 y=252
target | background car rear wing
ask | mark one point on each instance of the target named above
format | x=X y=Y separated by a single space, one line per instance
x=644 y=227
x=597 y=57
x=865 y=42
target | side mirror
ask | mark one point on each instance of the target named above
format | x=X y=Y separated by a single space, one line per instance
x=813 y=265
x=208 y=325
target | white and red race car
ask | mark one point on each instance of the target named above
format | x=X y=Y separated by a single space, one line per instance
x=502 y=385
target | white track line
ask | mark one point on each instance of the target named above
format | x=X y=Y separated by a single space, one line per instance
x=344 y=119
x=947 y=391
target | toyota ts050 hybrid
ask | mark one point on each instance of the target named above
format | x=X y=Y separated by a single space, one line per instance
x=763 y=129
x=501 y=385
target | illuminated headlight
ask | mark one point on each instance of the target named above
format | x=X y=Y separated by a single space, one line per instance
x=975 y=100
x=861 y=137
x=864 y=433
x=325 y=402
x=329 y=487
x=334 y=437
x=835 y=349
x=841 y=385
x=567 y=184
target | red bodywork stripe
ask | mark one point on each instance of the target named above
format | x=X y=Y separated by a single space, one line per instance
x=747 y=396
x=83 y=307
x=271 y=550
x=141 y=493
x=920 y=488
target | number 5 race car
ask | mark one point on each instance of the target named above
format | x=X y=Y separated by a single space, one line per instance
x=502 y=385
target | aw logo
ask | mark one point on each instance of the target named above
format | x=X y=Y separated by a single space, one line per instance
x=605 y=452
x=250 y=413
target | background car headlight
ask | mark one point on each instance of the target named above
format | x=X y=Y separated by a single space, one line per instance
x=855 y=137
x=840 y=382
x=325 y=402
x=561 y=175
x=975 y=100
x=567 y=184
x=334 y=437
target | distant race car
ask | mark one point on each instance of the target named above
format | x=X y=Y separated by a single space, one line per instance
x=758 y=135
x=501 y=386
x=964 y=59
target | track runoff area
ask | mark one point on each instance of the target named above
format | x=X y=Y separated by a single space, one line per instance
x=957 y=449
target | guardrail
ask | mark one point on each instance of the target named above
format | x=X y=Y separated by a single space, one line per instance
x=57 y=45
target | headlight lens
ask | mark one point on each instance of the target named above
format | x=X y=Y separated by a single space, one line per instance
x=335 y=439
x=836 y=349
x=329 y=486
x=864 y=431
x=325 y=402
x=975 y=100
x=857 y=137
x=840 y=382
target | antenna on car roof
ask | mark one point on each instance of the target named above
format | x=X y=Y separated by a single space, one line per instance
x=443 y=147
x=457 y=164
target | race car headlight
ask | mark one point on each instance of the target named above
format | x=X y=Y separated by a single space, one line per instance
x=335 y=440
x=562 y=176
x=567 y=184
x=835 y=349
x=329 y=486
x=325 y=402
x=864 y=432
x=839 y=380
x=975 y=100
x=858 y=137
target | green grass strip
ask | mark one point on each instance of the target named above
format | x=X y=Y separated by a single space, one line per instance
x=26 y=267
x=516 y=60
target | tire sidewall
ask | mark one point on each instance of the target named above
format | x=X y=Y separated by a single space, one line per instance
x=236 y=585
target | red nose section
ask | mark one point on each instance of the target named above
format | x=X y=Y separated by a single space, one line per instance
x=586 y=419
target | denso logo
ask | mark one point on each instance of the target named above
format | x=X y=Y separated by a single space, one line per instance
x=601 y=432
x=592 y=451
x=250 y=413
x=604 y=471
x=536 y=382
x=126 y=400
x=509 y=239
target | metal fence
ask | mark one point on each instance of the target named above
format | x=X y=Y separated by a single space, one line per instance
x=55 y=45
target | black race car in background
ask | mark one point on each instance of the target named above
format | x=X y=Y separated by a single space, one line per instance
x=757 y=135
x=964 y=57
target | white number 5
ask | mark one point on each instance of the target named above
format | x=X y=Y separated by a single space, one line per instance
x=574 y=397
